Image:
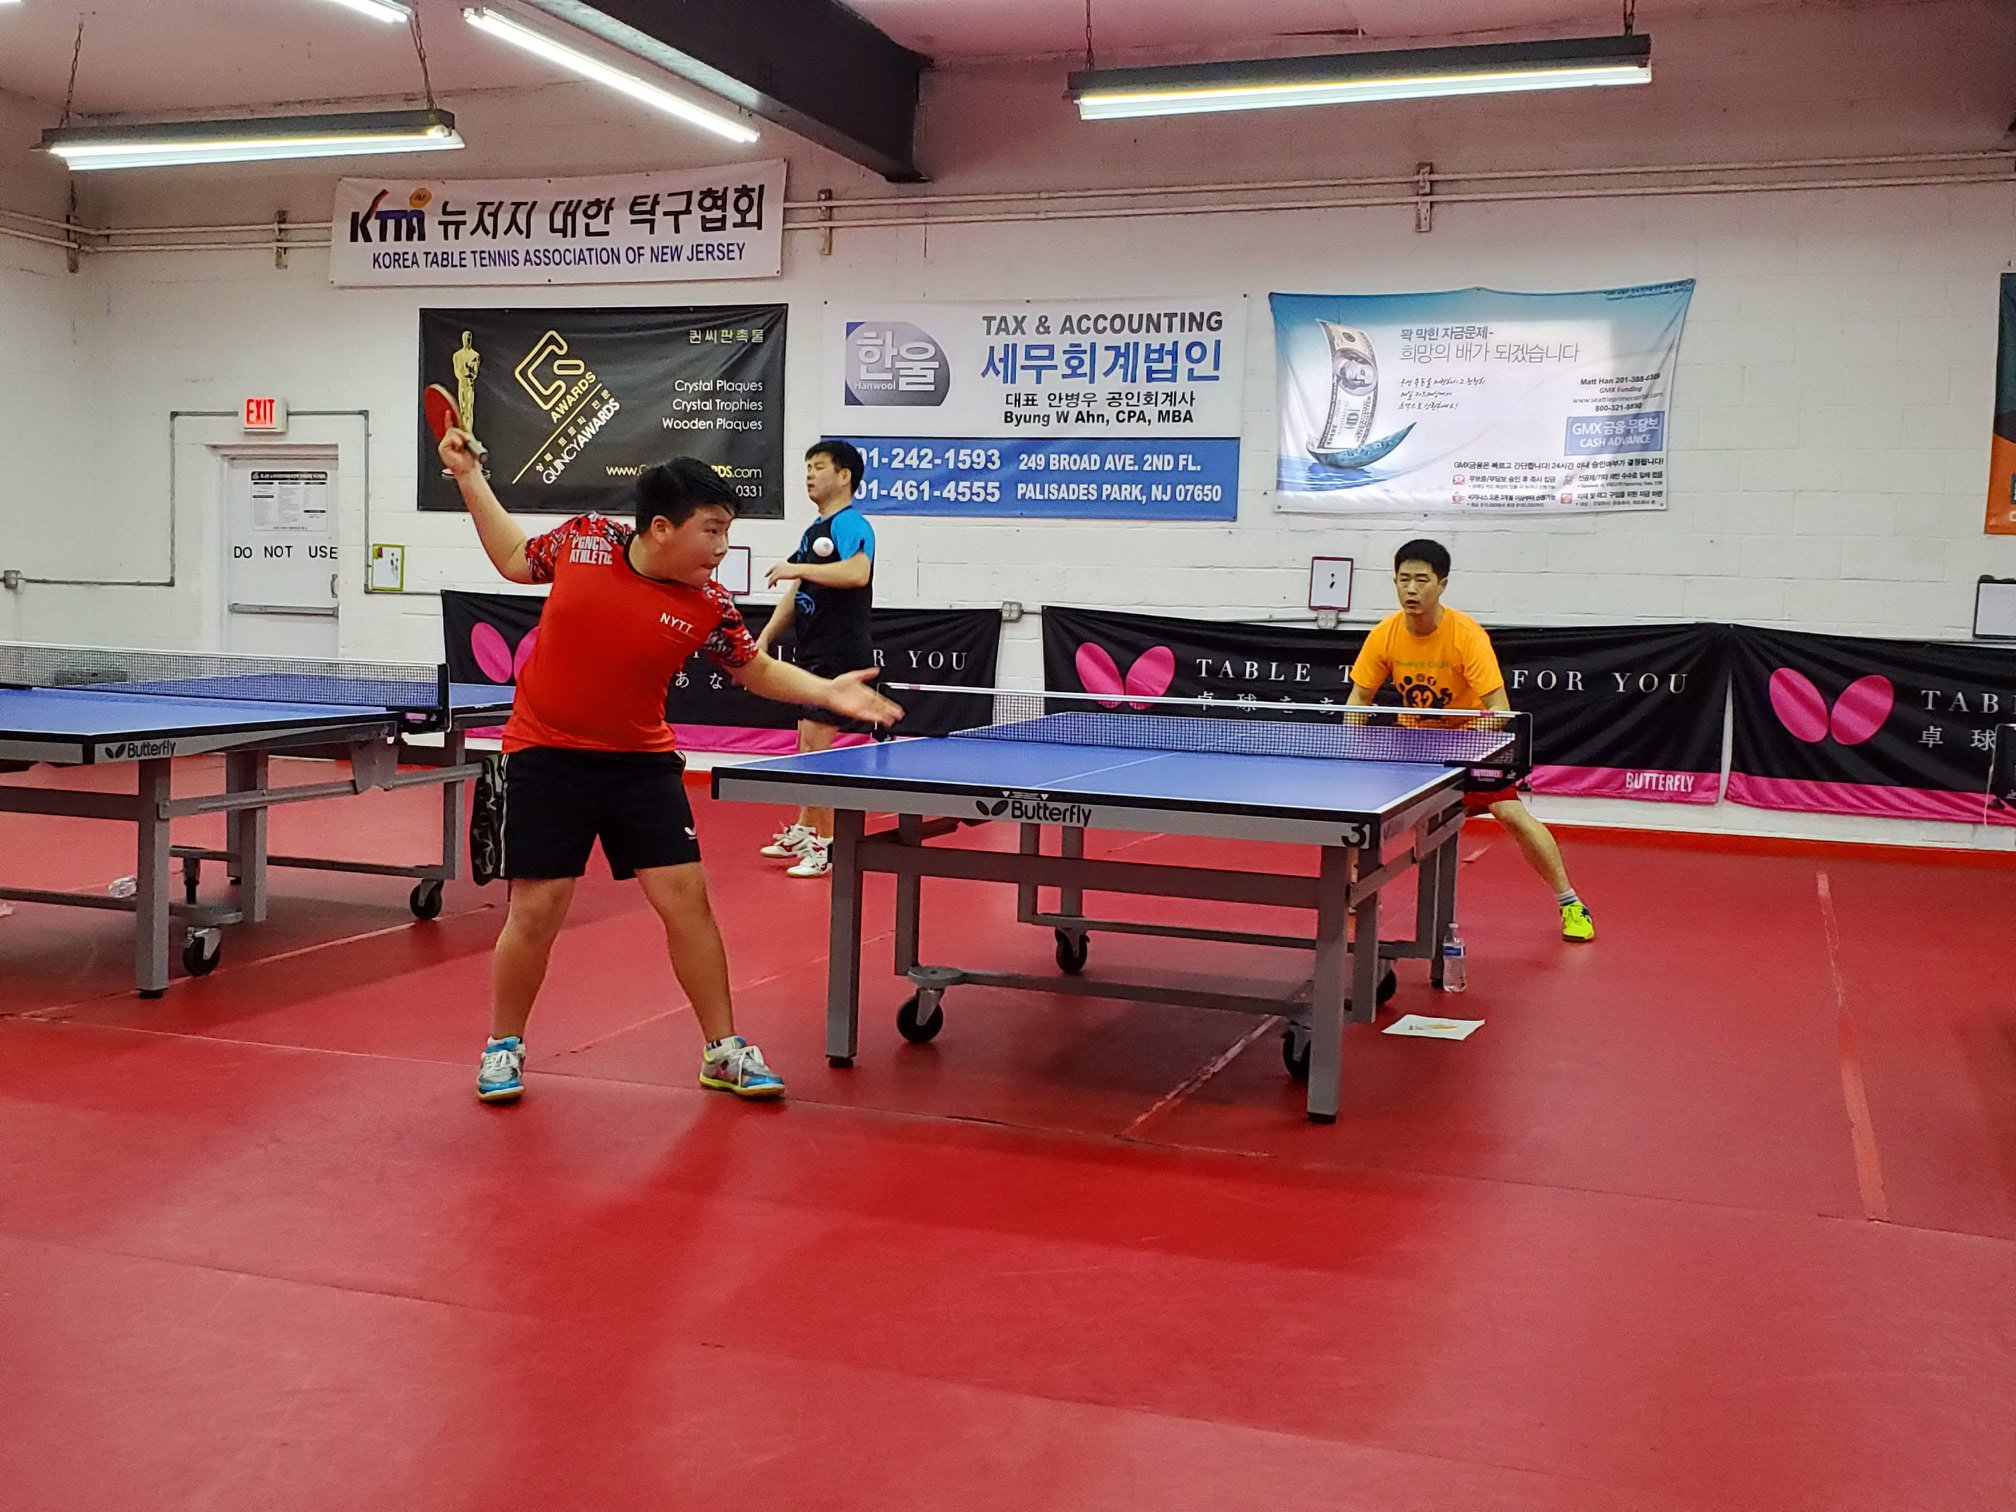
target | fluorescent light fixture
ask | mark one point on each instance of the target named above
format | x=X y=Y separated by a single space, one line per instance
x=165 y=144
x=380 y=10
x=590 y=67
x=1108 y=94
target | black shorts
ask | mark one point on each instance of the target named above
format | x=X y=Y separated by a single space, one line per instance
x=832 y=667
x=558 y=803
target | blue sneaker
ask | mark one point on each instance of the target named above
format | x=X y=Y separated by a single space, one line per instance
x=501 y=1076
x=735 y=1065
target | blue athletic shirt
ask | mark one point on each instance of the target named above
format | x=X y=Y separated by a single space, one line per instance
x=833 y=623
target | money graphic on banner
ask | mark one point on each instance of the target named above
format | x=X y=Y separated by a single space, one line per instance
x=1354 y=399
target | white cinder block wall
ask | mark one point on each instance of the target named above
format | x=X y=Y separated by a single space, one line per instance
x=1831 y=419
x=45 y=388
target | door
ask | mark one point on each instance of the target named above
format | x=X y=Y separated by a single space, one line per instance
x=280 y=568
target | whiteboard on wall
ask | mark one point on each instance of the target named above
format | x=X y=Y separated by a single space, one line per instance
x=1995 y=609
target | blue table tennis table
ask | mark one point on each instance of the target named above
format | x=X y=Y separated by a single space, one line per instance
x=1377 y=799
x=83 y=706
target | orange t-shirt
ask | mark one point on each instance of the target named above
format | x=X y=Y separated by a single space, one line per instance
x=610 y=642
x=1453 y=668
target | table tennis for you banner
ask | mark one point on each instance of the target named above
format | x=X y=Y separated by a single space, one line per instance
x=1123 y=409
x=574 y=404
x=1476 y=401
x=2002 y=445
x=1839 y=724
x=489 y=636
x=710 y=223
x=1618 y=712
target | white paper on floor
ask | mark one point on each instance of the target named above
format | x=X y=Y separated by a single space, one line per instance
x=1434 y=1028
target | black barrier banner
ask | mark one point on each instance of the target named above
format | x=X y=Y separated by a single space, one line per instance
x=490 y=635
x=1620 y=712
x=1839 y=724
x=574 y=404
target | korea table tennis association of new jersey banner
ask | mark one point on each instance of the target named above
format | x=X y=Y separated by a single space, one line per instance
x=574 y=404
x=1476 y=401
x=1840 y=724
x=489 y=636
x=1124 y=410
x=702 y=223
x=1618 y=711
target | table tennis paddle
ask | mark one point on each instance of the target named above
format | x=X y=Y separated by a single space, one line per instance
x=443 y=415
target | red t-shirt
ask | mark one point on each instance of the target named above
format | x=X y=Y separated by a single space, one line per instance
x=610 y=642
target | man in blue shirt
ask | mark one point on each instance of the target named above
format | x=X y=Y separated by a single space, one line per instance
x=833 y=570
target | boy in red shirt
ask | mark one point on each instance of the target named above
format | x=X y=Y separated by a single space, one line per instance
x=1440 y=658
x=588 y=755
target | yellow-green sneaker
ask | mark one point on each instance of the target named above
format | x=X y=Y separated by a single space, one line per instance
x=1576 y=923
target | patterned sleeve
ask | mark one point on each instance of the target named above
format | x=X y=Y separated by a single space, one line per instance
x=731 y=646
x=542 y=552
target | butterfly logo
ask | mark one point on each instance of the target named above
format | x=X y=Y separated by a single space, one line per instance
x=1150 y=676
x=494 y=655
x=1860 y=711
x=991 y=810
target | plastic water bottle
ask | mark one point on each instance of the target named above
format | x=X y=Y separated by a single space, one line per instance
x=1453 y=977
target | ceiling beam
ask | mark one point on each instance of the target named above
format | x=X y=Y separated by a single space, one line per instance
x=811 y=66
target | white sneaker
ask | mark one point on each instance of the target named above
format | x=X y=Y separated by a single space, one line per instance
x=815 y=860
x=788 y=842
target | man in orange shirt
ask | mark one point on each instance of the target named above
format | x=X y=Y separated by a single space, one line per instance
x=588 y=755
x=1442 y=659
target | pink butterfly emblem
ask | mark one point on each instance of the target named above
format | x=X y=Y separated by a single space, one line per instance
x=494 y=655
x=1150 y=676
x=1857 y=714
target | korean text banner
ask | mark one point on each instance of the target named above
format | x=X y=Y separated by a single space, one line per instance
x=1839 y=724
x=707 y=223
x=1618 y=711
x=490 y=636
x=574 y=404
x=1114 y=410
x=2002 y=453
x=1476 y=401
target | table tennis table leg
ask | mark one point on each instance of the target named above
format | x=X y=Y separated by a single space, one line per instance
x=1331 y=980
x=1071 y=900
x=843 y=958
x=454 y=806
x=151 y=918
x=1447 y=859
x=245 y=832
x=909 y=896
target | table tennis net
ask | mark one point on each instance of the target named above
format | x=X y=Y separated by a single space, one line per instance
x=1233 y=727
x=407 y=687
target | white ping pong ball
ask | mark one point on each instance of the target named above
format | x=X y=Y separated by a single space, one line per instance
x=823 y=546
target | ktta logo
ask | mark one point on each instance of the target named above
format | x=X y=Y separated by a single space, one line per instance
x=1860 y=711
x=1150 y=676
x=892 y=363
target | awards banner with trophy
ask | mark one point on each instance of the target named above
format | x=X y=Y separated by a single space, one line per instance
x=1476 y=400
x=571 y=405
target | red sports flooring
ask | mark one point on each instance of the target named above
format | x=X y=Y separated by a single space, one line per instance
x=1718 y=1213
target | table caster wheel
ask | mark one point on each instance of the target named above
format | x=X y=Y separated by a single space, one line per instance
x=1388 y=985
x=1073 y=950
x=914 y=1025
x=839 y=1062
x=425 y=900
x=1295 y=1053
x=201 y=951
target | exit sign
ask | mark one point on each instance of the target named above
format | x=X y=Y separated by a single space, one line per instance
x=265 y=414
